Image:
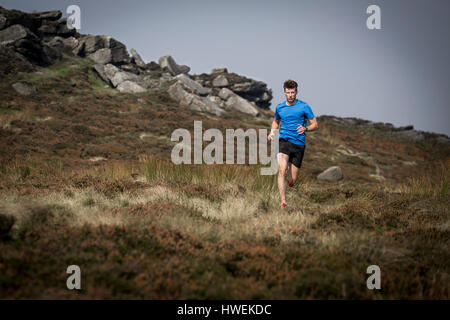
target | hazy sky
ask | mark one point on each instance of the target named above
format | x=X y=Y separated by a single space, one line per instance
x=399 y=74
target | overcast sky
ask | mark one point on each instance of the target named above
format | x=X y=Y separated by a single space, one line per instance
x=399 y=74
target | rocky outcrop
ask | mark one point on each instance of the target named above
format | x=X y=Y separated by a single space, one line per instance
x=128 y=86
x=29 y=34
x=233 y=101
x=14 y=33
x=43 y=39
x=220 y=81
x=136 y=58
x=191 y=93
x=186 y=95
x=56 y=28
x=114 y=75
x=103 y=49
x=403 y=131
x=237 y=102
x=219 y=70
x=167 y=62
x=23 y=41
x=102 y=56
x=196 y=87
x=31 y=21
x=225 y=94
x=13 y=62
x=100 y=69
x=121 y=76
x=73 y=44
x=248 y=89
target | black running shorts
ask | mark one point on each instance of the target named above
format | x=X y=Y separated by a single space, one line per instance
x=294 y=151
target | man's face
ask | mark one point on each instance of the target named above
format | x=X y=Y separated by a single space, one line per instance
x=290 y=94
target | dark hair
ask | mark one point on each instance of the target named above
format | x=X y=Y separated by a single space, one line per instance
x=290 y=84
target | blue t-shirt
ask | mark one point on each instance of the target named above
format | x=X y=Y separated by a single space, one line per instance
x=291 y=117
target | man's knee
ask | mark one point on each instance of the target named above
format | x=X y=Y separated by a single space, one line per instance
x=282 y=171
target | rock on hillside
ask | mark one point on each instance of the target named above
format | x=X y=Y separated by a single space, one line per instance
x=249 y=89
x=42 y=39
x=30 y=35
x=407 y=131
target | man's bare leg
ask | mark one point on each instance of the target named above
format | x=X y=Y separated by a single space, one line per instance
x=283 y=160
x=293 y=173
x=288 y=173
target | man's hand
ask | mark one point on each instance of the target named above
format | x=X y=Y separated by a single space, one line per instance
x=274 y=127
x=301 y=129
x=313 y=126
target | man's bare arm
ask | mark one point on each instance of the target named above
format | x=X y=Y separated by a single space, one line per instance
x=313 y=126
x=274 y=127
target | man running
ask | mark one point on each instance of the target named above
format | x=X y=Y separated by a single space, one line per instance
x=293 y=115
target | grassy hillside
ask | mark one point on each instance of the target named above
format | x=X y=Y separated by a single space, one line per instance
x=86 y=173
